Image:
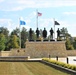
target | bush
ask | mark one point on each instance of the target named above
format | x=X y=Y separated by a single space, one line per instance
x=73 y=67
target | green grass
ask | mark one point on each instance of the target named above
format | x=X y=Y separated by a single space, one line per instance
x=27 y=68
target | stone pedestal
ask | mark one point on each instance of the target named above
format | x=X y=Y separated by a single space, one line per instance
x=39 y=49
x=44 y=49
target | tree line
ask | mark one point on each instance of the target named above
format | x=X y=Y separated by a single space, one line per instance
x=11 y=40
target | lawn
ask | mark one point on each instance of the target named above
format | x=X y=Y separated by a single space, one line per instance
x=27 y=68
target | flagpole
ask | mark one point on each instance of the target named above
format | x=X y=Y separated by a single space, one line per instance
x=54 y=28
x=19 y=33
x=37 y=17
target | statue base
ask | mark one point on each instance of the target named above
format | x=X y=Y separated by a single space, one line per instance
x=52 y=40
x=45 y=40
x=44 y=49
x=59 y=40
x=31 y=40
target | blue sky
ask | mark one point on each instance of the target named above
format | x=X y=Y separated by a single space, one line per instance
x=63 y=11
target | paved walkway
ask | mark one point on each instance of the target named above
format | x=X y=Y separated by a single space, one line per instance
x=35 y=59
x=71 y=60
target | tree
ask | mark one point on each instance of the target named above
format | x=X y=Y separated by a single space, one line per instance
x=75 y=39
x=2 y=42
x=24 y=36
x=4 y=31
x=65 y=33
x=14 y=39
x=68 y=39
x=34 y=36
x=74 y=43
x=13 y=42
x=69 y=46
x=15 y=32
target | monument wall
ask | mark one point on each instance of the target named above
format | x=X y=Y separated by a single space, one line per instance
x=44 y=49
x=41 y=49
x=5 y=53
x=18 y=52
x=71 y=52
x=13 y=52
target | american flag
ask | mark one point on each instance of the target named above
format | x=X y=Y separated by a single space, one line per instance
x=39 y=14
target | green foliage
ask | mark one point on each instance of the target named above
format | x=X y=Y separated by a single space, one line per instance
x=15 y=32
x=73 y=67
x=2 y=42
x=13 y=42
x=24 y=36
x=74 y=43
x=75 y=39
x=64 y=32
x=4 y=31
x=69 y=46
x=34 y=36
x=68 y=39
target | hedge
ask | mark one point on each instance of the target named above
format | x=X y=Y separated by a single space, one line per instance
x=73 y=67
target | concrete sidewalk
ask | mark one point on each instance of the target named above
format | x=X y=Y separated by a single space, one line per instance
x=35 y=59
x=71 y=61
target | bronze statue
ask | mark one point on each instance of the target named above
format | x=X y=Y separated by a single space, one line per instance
x=58 y=33
x=44 y=33
x=30 y=34
x=51 y=33
x=37 y=33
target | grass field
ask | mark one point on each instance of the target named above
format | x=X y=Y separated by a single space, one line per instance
x=27 y=68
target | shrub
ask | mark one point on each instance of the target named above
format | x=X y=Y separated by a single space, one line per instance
x=73 y=67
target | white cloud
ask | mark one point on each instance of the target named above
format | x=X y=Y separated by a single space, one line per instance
x=27 y=2
x=69 y=13
x=70 y=27
x=7 y=23
x=45 y=22
x=49 y=22
x=64 y=23
x=2 y=21
x=15 y=5
x=29 y=19
x=32 y=15
x=1 y=1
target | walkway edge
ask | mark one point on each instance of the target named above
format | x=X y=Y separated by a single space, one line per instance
x=69 y=71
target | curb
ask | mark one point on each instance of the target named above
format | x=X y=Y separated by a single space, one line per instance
x=69 y=71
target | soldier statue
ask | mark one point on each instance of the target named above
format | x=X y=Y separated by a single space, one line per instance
x=58 y=33
x=51 y=33
x=44 y=33
x=37 y=33
x=30 y=34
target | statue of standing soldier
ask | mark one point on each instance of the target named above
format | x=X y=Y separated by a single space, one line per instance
x=58 y=34
x=51 y=33
x=44 y=33
x=30 y=34
x=37 y=33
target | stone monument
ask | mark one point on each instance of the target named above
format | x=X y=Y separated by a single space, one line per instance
x=44 y=33
x=58 y=34
x=51 y=34
x=30 y=34
x=37 y=33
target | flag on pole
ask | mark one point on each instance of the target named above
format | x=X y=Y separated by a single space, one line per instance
x=56 y=23
x=39 y=14
x=22 y=22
